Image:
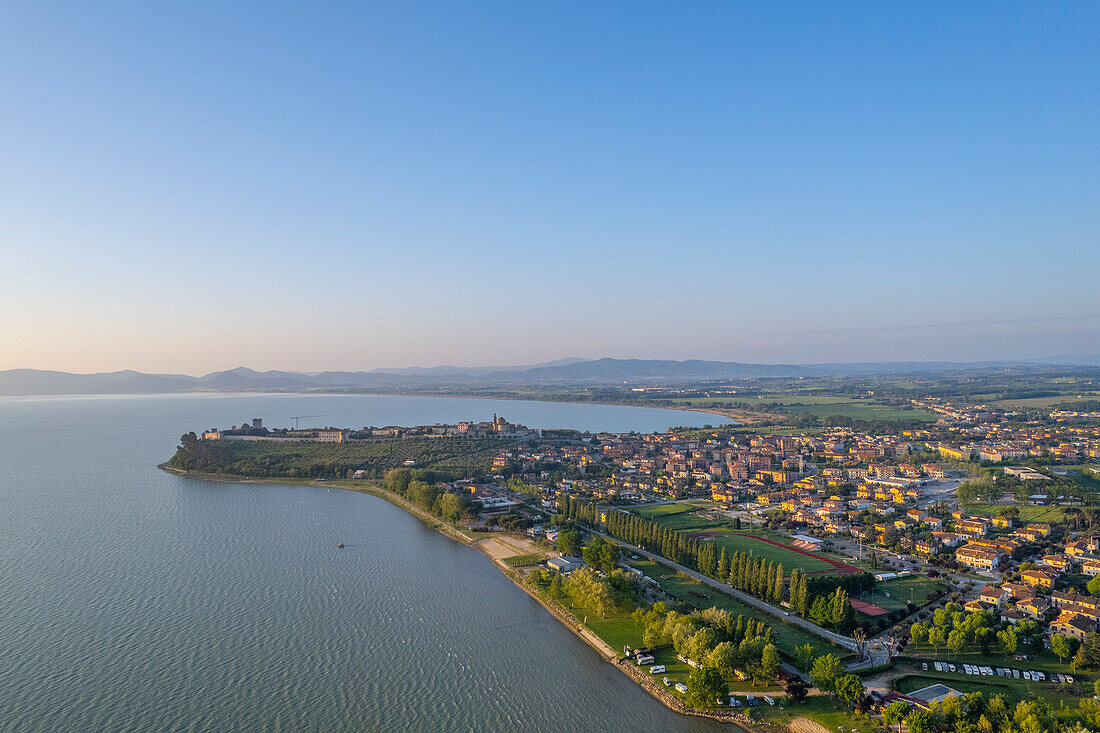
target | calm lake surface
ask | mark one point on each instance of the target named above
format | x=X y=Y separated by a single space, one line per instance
x=135 y=600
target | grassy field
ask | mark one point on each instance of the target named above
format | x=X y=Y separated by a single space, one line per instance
x=1044 y=661
x=681 y=587
x=742 y=542
x=857 y=409
x=901 y=590
x=684 y=517
x=821 y=709
x=1045 y=402
x=1027 y=513
x=518 y=561
x=1013 y=691
x=618 y=629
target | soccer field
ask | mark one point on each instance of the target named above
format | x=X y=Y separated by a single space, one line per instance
x=683 y=518
x=791 y=559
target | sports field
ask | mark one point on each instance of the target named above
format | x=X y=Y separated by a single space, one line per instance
x=901 y=590
x=1027 y=513
x=701 y=523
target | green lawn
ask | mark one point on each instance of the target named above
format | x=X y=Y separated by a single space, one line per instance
x=742 y=542
x=1047 y=514
x=681 y=517
x=618 y=629
x=518 y=561
x=819 y=708
x=901 y=590
x=678 y=671
x=680 y=587
x=1044 y=661
x=1013 y=691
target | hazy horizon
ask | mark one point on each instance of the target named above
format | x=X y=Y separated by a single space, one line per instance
x=1035 y=358
x=354 y=187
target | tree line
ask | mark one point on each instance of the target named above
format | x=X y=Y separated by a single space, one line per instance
x=823 y=599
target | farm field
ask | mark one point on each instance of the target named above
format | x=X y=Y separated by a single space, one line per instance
x=858 y=409
x=690 y=591
x=1027 y=513
x=1045 y=402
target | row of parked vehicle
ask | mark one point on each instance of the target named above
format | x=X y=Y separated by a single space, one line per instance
x=1015 y=674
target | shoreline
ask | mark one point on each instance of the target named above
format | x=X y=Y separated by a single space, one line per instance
x=563 y=615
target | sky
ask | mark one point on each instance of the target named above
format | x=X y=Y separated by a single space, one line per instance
x=187 y=187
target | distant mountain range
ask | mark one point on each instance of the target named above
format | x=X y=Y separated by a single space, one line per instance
x=563 y=371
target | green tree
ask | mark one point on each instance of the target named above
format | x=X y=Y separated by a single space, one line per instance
x=724 y=658
x=1008 y=641
x=556 y=590
x=894 y=713
x=849 y=688
x=956 y=640
x=1061 y=646
x=821 y=611
x=769 y=662
x=451 y=507
x=804 y=657
x=723 y=565
x=701 y=643
x=705 y=686
x=935 y=637
x=602 y=555
x=825 y=671
x=840 y=611
x=1089 y=652
x=920 y=721
x=569 y=542
x=1093 y=586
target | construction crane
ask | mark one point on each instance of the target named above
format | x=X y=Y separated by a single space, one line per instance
x=296 y=418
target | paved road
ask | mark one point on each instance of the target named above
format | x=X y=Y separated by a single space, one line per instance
x=839 y=639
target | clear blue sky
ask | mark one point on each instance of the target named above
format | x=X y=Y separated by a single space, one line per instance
x=189 y=187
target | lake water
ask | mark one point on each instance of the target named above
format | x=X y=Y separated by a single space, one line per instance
x=135 y=600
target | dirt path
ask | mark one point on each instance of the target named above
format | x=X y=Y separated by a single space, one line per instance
x=498 y=548
x=805 y=725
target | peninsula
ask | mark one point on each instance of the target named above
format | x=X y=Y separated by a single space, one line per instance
x=823 y=577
